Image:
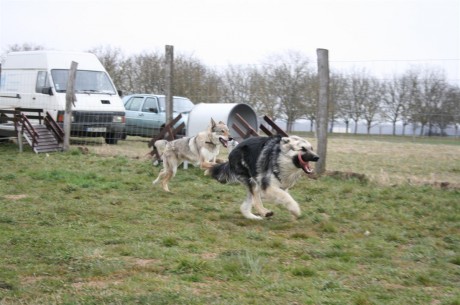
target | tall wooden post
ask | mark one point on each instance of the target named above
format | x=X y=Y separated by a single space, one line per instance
x=323 y=109
x=69 y=101
x=169 y=67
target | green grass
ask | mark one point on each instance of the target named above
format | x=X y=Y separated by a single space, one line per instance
x=91 y=229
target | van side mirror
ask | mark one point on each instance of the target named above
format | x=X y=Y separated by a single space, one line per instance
x=120 y=93
x=153 y=110
x=47 y=90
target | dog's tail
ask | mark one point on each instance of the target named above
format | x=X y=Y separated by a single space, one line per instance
x=222 y=173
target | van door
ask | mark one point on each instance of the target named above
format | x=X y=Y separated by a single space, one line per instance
x=43 y=97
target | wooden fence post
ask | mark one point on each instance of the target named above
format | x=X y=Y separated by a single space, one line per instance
x=323 y=109
x=169 y=67
x=69 y=101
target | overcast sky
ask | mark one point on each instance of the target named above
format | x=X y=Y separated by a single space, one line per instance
x=382 y=36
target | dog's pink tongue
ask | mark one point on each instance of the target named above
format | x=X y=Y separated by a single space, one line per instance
x=305 y=165
x=224 y=143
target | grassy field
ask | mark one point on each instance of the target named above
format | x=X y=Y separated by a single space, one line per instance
x=89 y=228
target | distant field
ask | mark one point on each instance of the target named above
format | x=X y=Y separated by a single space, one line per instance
x=87 y=227
x=384 y=159
x=396 y=160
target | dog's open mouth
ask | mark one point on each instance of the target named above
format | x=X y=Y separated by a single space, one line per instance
x=223 y=141
x=305 y=165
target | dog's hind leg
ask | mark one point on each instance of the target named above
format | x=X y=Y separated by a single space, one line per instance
x=280 y=196
x=164 y=182
x=164 y=176
x=246 y=208
x=160 y=175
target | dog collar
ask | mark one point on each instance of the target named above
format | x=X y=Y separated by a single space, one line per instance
x=208 y=142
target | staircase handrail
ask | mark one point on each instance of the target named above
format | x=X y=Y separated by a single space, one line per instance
x=54 y=127
x=30 y=129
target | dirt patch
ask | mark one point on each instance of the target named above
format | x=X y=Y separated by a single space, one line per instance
x=342 y=176
x=347 y=176
x=444 y=185
x=209 y=255
x=144 y=262
x=15 y=197
x=6 y=286
x=96 y=284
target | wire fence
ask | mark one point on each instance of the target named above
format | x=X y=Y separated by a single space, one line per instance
x=100 y=116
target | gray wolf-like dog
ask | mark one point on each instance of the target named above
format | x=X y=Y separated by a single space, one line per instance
x=267 y=166
x=200 y=150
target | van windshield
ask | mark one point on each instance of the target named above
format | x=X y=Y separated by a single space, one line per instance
x=85 y=81
x=180 y=104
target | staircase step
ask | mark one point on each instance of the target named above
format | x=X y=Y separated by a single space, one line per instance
x=46 y=141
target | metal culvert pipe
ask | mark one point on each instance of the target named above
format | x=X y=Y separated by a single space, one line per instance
x=200 y=117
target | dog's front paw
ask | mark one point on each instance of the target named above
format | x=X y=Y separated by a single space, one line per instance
x=269 y=214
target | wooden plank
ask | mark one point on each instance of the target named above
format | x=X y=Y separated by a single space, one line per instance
x=239 y=131
x=265 y=130
x=274 y=126
x=163 y=132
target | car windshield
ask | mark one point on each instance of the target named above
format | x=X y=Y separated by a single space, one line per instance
x=180 y=104
x=85 y=81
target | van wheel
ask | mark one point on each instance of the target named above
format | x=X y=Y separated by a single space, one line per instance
x=111 y=138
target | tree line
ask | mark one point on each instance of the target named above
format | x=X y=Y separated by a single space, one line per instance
x=285 y=86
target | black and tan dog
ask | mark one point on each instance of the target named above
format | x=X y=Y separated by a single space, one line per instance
x=267 y=166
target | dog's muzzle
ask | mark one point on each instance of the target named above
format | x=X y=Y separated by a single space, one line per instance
x=224 y=142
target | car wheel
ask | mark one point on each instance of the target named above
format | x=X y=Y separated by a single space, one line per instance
x=111 y=138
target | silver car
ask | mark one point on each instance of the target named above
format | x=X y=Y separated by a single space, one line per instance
x=146 y=116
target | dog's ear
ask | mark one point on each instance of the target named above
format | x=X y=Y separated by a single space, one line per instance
x=285 y=140
x=221 y=123
x=213 y=123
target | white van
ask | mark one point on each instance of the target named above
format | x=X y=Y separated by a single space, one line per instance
x=38 y=79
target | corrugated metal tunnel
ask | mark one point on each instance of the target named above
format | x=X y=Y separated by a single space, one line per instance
x=200 y=117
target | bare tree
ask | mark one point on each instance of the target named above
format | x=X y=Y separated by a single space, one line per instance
x=428 y=100
x=337 y=92
x=112 y=59
x=412 y=78
x=452 y=107
x=196 y=81
x=310 y=97
x=20 y=47
x=283 y=86
x=148 y=71
x=448 y=110
x=371 y=107
x=357 y=96
x=396 y=99
x=288 y=78
x=237 y=82
x=262 y=98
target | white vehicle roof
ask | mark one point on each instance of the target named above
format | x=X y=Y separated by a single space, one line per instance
x=51 y=60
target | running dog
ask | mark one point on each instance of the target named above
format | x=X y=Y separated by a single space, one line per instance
x=267 y=166
x=200 y=150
